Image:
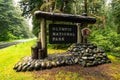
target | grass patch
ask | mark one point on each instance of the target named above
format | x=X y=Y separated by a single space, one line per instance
x=11 y=55
x=112 y=56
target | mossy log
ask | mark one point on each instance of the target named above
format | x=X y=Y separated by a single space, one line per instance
x=64 y=17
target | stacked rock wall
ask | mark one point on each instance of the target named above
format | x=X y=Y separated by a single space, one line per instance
x=84 y=54
x=89 y=54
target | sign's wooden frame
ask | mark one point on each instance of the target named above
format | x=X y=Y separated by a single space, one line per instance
x=43 y=16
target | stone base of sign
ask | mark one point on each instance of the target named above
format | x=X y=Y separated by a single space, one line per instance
x=83 y=54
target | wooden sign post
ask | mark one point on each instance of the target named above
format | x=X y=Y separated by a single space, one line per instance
x=43 y=37
x=78 y=33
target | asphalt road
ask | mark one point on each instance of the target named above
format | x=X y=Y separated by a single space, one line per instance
x=7 y=44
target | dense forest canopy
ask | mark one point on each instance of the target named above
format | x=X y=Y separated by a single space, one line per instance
x=12 y=24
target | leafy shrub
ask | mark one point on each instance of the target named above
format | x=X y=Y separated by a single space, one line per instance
x=105 y=38
x=116 y=49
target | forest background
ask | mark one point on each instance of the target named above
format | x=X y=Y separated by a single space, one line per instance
x=105 y=32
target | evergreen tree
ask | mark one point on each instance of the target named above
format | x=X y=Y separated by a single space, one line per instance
x=12 y=25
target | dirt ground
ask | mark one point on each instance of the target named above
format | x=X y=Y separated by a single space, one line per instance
x=102 y=72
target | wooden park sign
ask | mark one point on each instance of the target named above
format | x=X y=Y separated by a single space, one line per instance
x=62 y=34
x=40 y=51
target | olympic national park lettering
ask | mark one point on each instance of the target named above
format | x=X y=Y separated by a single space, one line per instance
x=59 y=33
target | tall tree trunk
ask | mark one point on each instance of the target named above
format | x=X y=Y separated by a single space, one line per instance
x=62 y=7
x=53 y=6
x=104 y=20
x=85 y=4
x=118 y=29
x=48 y=8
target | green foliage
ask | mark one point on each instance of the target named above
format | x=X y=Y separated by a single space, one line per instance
x=106 y=38
x=28 y=8
x=12 y=25
x=36 y=26
x=116 y=13
x=6 y=36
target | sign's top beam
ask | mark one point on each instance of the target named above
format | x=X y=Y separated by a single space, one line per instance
x=65 y=17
